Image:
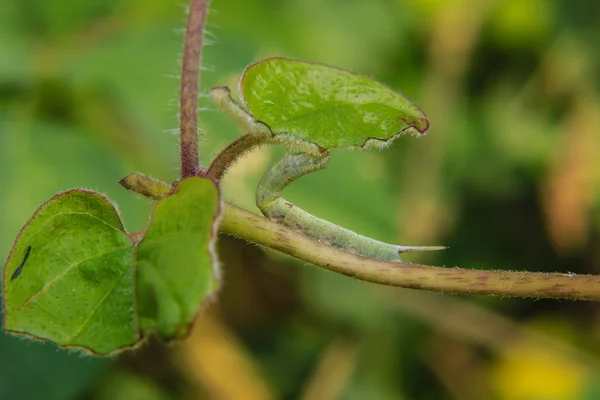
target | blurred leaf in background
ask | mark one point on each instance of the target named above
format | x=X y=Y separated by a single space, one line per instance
x=508 y=177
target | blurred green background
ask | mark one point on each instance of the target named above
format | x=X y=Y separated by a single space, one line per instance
x=508 y=177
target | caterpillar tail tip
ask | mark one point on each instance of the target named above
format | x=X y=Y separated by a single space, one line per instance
x=407 y=249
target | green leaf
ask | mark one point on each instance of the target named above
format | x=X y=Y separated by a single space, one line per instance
x=327 y=106
x=177 y=268
x=69 y=277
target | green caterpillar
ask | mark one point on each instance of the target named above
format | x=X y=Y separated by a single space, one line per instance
x=276 y=208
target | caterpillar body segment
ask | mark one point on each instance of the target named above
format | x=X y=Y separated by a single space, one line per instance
x=276 y=208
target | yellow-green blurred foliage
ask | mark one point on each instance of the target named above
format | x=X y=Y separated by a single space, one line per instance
x=508 y=177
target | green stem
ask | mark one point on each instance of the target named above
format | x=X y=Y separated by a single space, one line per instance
x=188 y=120
x=251 y=227
x=238 y=222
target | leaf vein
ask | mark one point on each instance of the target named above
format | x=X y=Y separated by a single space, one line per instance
x=96 y=307
x=51 y=282
x=45 y=223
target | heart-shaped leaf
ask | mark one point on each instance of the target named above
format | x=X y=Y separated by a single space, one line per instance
x=326 y=106
x=69 y=277
x=177 y=268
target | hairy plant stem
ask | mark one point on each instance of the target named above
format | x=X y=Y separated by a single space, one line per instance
x=246 y=225
x=254 y=228
x=188 y=119
x=230 y=154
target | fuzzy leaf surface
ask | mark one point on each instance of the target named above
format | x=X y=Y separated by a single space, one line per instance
x=69 y=277
x=176 y=266
x=327 y=106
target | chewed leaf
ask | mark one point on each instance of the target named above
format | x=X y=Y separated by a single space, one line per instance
x=326 y=106
x=69 y=277
x=177 y=268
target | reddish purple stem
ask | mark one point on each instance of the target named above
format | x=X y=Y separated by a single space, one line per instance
x=188 y=119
